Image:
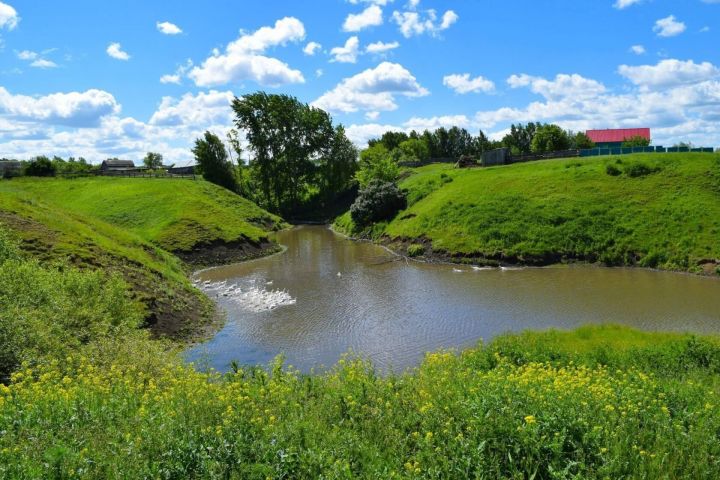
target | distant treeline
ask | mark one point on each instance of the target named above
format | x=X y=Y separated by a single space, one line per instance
x=456 y=142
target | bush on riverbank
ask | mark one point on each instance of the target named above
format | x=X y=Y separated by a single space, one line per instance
x=535 y=405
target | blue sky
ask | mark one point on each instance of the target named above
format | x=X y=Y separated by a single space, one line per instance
x=100 y=79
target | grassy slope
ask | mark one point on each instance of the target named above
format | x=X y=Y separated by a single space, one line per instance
x=176 y=215
x=538 y=405
x=128 y=226
x=543 y=212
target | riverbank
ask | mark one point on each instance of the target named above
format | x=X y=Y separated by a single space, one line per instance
x=653 y=211
x=152 y=232
x=600 y=402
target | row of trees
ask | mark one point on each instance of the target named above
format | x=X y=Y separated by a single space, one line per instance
x=457 y=142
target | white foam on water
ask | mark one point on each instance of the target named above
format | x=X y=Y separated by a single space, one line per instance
x=482 y=269
x=253 y=298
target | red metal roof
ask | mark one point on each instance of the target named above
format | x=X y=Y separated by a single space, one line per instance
x=617 y=134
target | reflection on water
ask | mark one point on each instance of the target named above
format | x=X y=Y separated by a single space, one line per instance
x=327 y=295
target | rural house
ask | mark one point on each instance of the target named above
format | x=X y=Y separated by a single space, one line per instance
x=9 y=168
x=115 y=165
x=612 y=138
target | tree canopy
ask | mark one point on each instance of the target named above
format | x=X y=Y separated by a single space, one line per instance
x=297 y=153
x=212 y=160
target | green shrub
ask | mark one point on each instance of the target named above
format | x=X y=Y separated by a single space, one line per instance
x=415 y=250
x=39 y=167
x=378 y=201
x=639 y=169
x=612 y=170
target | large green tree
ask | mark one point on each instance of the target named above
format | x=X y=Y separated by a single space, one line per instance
x=549 y=138
x=153 y=160
x=296 y=150
x=213 y=163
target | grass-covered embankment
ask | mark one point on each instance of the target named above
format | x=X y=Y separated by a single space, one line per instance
x=600 y=402
x=142 y=229
x=649 y=210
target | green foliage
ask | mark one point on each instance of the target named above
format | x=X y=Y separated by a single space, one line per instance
x=612 y=170
x=581 y=141
x=297 y=151
x=212 y=160
x=599 y=402
x=414 y=150
x=549 y=138
x=378 y=201
x=39 y=167
x=520 y=138
x=50 y=312
x=415 y=250
x=639 y=169
x=542 y=212
x=636 y=141
x=153 y=160
x=376 y=163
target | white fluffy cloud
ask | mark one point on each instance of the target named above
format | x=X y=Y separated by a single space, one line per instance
x=462 y=83
x=311 y=48
x=669 y=27
x=176 y=77
x=43 y=63
x=669 y=72
x=205 y=108
x=563 y=85
x=8 y=16
x=381 y=47
x=620 y=4
x=168 y=28
x=36 y=61
x=413 y=23
x=348 y=53
x=370 y=17
x=32 y=125
x=243 y=58
x=372 y=90
x=115 y=51
x=80 y=109
x=637 y=49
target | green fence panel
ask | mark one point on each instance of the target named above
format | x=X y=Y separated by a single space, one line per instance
x=603 y=151
x=660 y=149
x=648 y=149
x=708 y=150
x=616 y=151
x=683 y=149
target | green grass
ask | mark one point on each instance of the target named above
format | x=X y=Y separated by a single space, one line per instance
x=651 y=210
x=174 y=214
x=537 y=405
x=129 y=227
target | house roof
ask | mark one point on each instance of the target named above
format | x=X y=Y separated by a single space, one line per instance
x=617 y=134
x=119 y=163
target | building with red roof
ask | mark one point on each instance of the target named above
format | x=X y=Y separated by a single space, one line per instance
x=615 y=137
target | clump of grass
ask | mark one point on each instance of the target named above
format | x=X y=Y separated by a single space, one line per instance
x=640 y=169
x=415 y=250
x=612 y=170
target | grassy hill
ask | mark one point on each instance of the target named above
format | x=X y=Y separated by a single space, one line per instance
x=139 y=228
x=651 y=210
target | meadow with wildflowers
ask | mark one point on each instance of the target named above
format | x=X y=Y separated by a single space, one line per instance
x=600 y=402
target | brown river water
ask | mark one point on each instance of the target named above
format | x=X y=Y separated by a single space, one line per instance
x=327 y=295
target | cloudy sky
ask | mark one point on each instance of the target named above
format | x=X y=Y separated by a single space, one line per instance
x=101 y=79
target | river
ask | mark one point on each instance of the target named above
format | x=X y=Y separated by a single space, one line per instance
x=327 y=295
